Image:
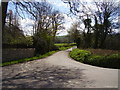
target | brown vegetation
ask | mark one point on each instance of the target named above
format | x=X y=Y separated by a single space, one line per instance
x=103 y=51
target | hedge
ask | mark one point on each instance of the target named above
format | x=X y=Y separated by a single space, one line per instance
x=84 y=56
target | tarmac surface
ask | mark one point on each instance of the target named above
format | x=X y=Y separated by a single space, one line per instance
x=58 y=71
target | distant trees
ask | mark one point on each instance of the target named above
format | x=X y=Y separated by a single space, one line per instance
x=98 y=22
x=74 y=33
x=63 y=39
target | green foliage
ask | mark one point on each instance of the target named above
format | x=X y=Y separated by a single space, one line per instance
x=28 y=59
x=80 y=55
x=28 y=40
x=64 y=48
x=65 y=44
x=113 y=41
x=110 y=61
x=94 y=60
x=43 y=42
x=13 y=36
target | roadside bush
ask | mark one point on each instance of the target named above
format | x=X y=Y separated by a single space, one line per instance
x=113 y=61
x=109 y=61
x=80 y=55
x=43 y=43
x=94 y=59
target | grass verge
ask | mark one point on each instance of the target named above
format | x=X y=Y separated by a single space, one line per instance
x=64 y=46
x=108 y=61
x=61 y=46
x=28 y=59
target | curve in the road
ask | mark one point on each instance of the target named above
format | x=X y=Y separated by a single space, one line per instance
x=58 y=71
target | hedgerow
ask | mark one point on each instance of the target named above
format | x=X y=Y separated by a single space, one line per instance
x=84 y=56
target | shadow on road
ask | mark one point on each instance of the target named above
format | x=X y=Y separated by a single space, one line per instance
x=52 y=77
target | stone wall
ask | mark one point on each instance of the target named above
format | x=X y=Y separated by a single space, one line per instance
x=15 y=54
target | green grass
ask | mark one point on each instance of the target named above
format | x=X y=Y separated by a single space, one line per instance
x=64 y=46
x=61 y=46
x=84 y=56
x=28 y=59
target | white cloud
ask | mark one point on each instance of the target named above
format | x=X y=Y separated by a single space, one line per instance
x=68 y=22
x=58 y=3
x=26 y=21
x=27 y=25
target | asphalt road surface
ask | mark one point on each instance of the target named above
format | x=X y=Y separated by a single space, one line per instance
x=58 y=71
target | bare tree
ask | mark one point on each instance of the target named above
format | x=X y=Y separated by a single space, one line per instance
x=102 y=15
x=57 y=21
x=47 y=23
x=106 y=11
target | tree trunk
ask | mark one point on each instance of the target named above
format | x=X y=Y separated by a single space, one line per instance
x=4 y=13
x=96 y=40
x=54 y=34
x=103 y=40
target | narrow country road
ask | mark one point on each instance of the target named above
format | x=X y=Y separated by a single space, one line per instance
x=58 y=71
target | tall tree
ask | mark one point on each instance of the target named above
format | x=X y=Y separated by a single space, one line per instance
x=103 y=15
x=57 y=21
x=47 y=22
x=4 y=12
x=87 y=34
